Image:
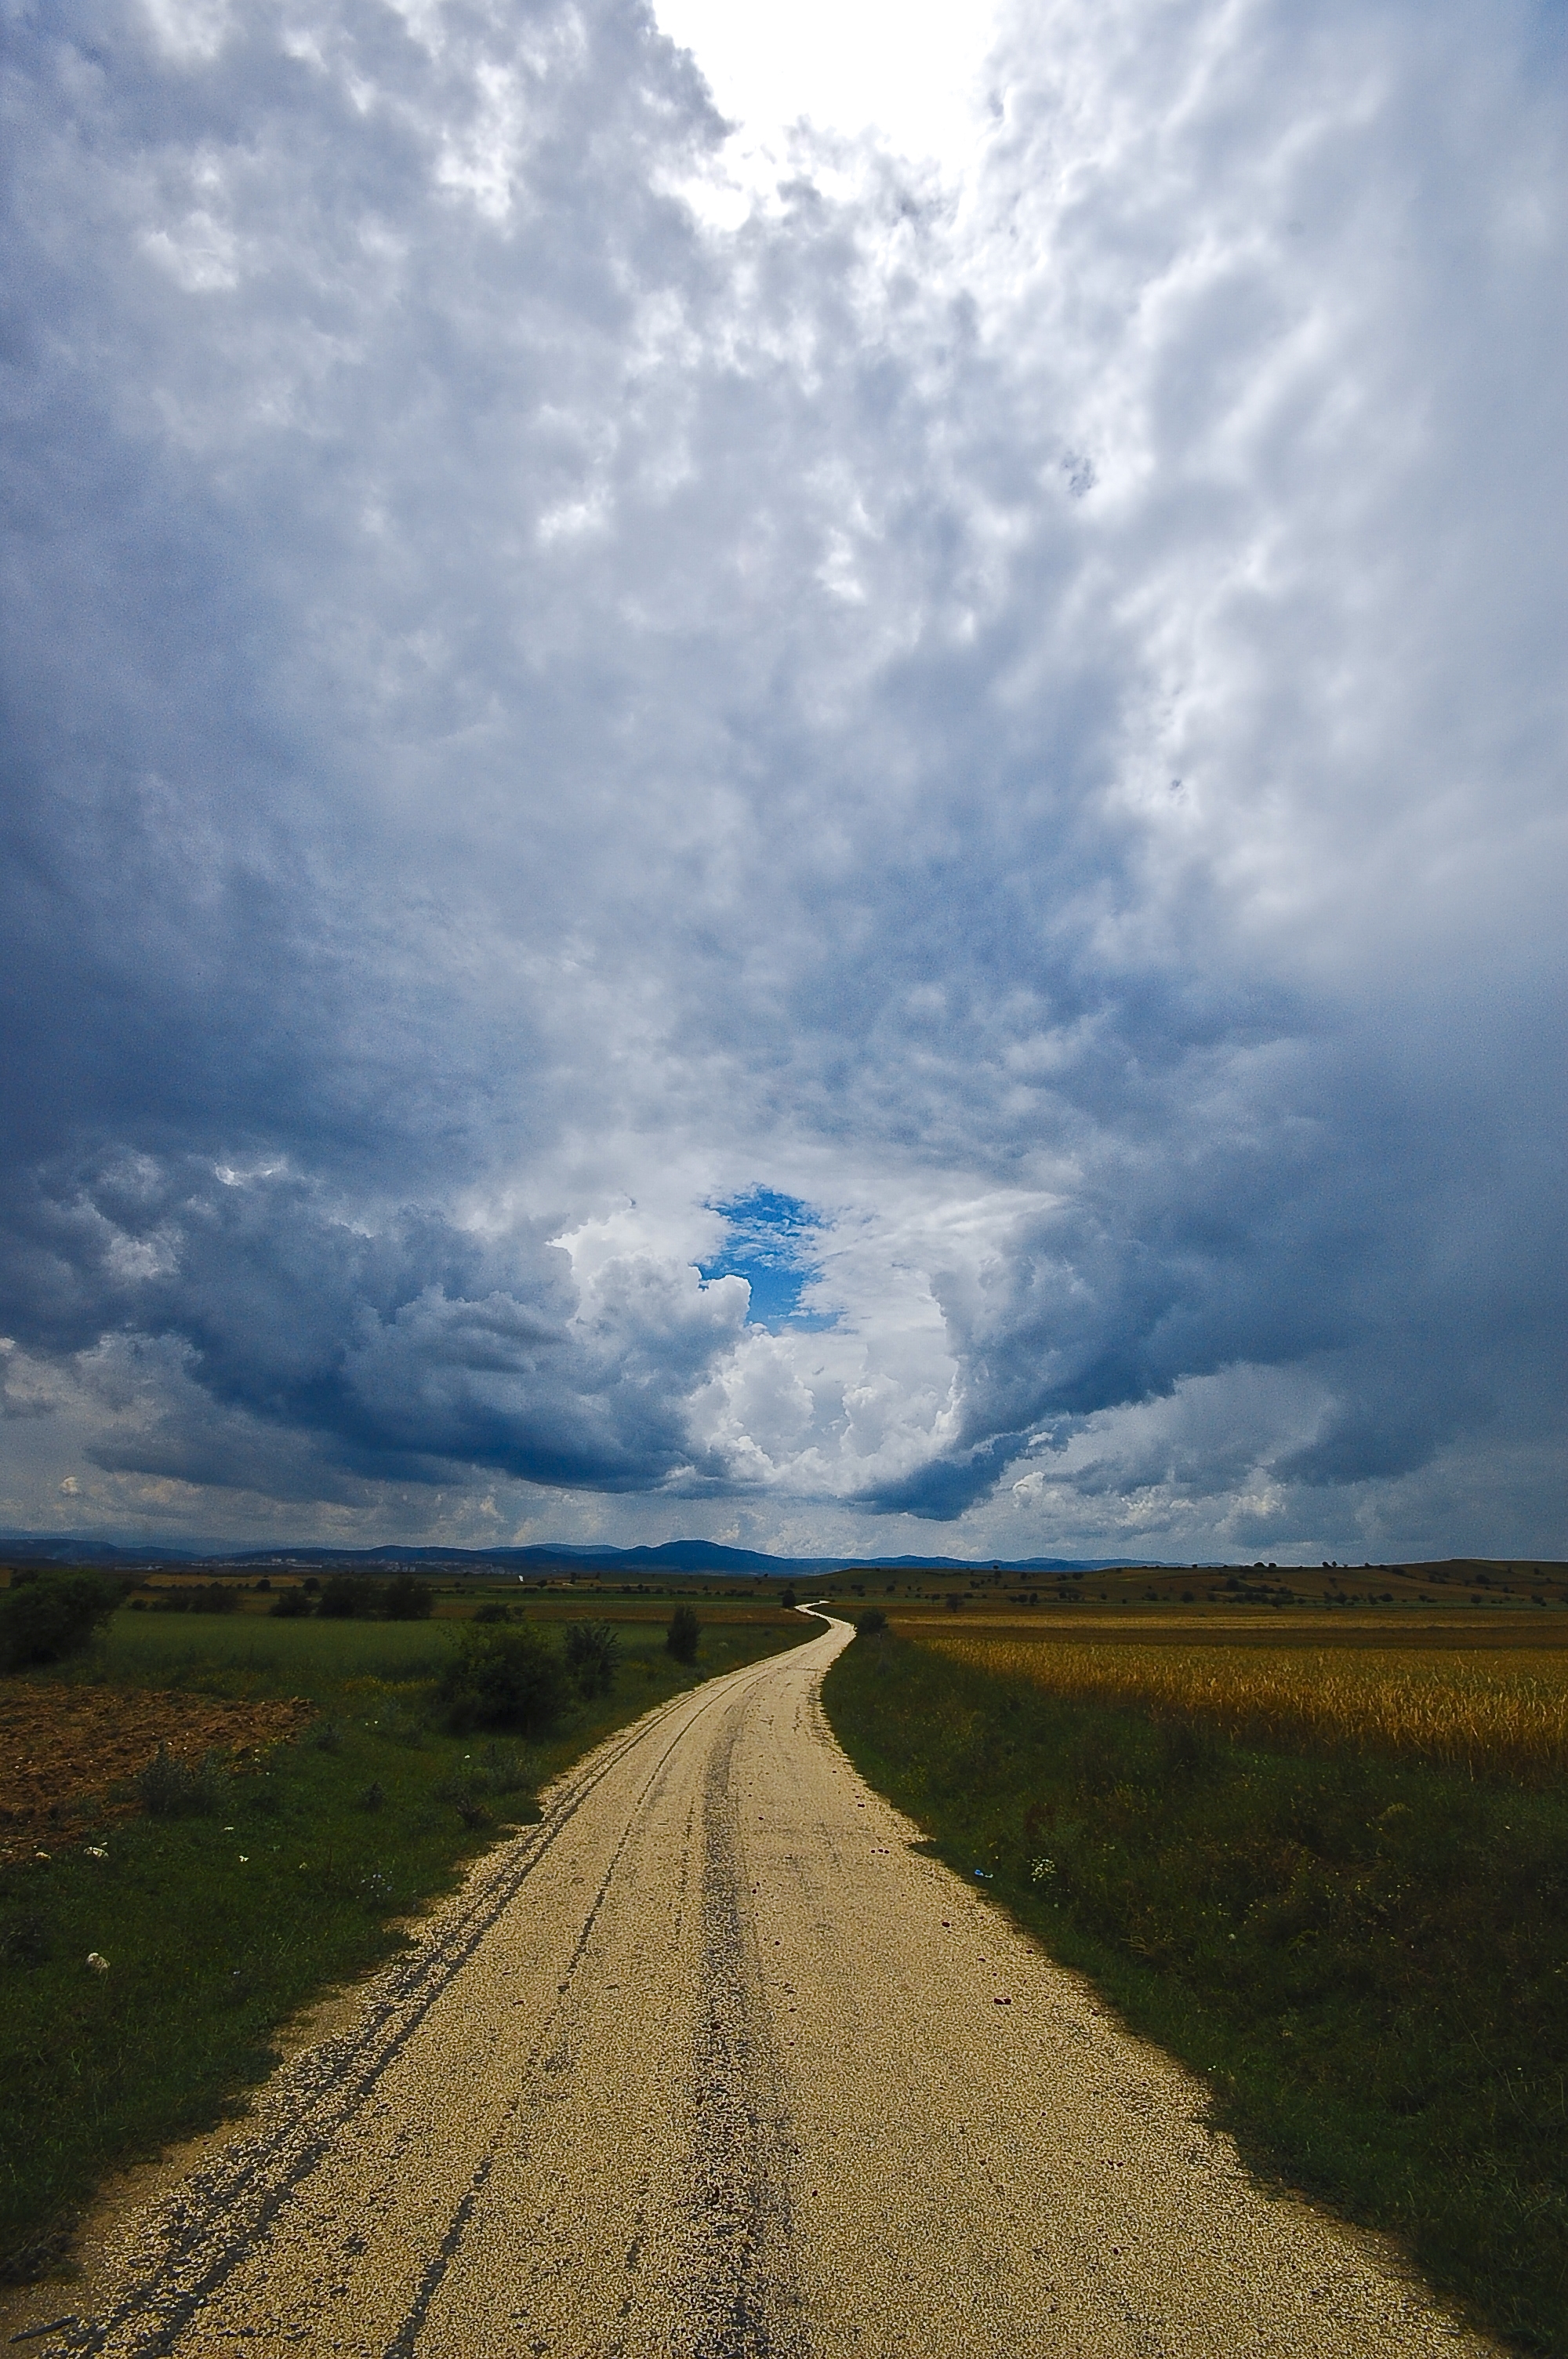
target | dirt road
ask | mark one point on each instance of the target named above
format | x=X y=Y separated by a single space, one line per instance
x=712 y=2065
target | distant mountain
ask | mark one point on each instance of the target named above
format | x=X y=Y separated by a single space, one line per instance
x=71 y=1548
x=672 y=1556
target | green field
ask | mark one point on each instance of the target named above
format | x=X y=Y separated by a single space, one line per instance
x=221 y=1924
x=332 y=1663
x=1365 y=1956
x=245 y=1655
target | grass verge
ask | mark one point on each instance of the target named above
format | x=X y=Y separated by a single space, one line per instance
x=270 y=1885
x=1366 y=1959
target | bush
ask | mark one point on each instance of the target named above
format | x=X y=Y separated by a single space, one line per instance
x=43 y=1619
x=868 y=1624
x=592 y=1652
x=172 y=1788
x=495 y=1771
x=289 y=1604
x=345 y=1595
x=685 y=1632
x=492 y=1611
x=504 y=1679
x=789 y=1597
x=407 y=1600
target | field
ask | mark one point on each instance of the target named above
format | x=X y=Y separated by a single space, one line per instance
x=1503 y=1711
x=1472 y=1589
x=1332 y=1880
x=292 y=1870
x=329 y=1662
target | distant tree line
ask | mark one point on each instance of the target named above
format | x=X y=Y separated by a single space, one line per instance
x=348 y=1596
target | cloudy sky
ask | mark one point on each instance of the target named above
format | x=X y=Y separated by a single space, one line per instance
x=805 y=788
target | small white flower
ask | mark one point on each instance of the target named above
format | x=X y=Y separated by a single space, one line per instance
x=245 y=1859
x=99 y=1965
x=40 y=1854
x=96 y=1851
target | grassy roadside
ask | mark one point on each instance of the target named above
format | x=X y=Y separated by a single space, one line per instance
x=220 y=1924
x=1366 y=1958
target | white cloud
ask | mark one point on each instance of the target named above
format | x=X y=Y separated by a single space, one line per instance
x=1016 y=709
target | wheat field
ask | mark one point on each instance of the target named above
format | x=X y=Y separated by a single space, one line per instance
x=1493 y=1715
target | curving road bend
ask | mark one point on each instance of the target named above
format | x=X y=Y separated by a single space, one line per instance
x=712 y=2065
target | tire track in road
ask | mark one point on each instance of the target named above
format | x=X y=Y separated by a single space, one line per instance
x=404 y=2342
x=745 y=2302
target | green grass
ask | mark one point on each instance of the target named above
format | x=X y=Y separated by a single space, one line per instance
x=245 y=1655
x=1368 y=1959
x=218 y=1929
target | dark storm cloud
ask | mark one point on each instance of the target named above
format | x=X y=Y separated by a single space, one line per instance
x=1026 y=726
x=398 y=1350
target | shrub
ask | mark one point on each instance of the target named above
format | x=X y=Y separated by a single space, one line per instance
x=789 y=1597
x=46 y=1618
x=868 y=1624
x=407 y=1600
x=492 y=1611
x=592 y=1649
x=685 y=1632
x=495 y=1770
x=504 y=1679
x=289 y=1604
x=172 y=1788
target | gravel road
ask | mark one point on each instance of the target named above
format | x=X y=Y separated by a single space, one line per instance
x=711 y=2065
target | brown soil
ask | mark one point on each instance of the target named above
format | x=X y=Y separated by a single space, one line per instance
x=68 y=1753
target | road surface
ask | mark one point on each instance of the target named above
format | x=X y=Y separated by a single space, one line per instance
x=712 y=2065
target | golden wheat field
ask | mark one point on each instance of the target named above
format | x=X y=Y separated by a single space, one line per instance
x=1494 y=1713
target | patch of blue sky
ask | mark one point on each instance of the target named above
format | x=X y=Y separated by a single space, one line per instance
x=772 y=1241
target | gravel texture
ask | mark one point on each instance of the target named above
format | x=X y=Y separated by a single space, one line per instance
x=711 y=2064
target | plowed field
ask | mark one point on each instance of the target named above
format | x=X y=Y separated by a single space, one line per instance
x=67 y=1753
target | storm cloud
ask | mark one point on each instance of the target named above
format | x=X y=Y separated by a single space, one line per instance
x=899 y=862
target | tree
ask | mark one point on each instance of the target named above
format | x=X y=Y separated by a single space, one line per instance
x=592 y=1651
x=46 y=1616
x=344 y=1595
x=407 y=1600
x=684 y=1634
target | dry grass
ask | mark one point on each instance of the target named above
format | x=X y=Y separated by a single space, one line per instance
x=1499 y=1716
